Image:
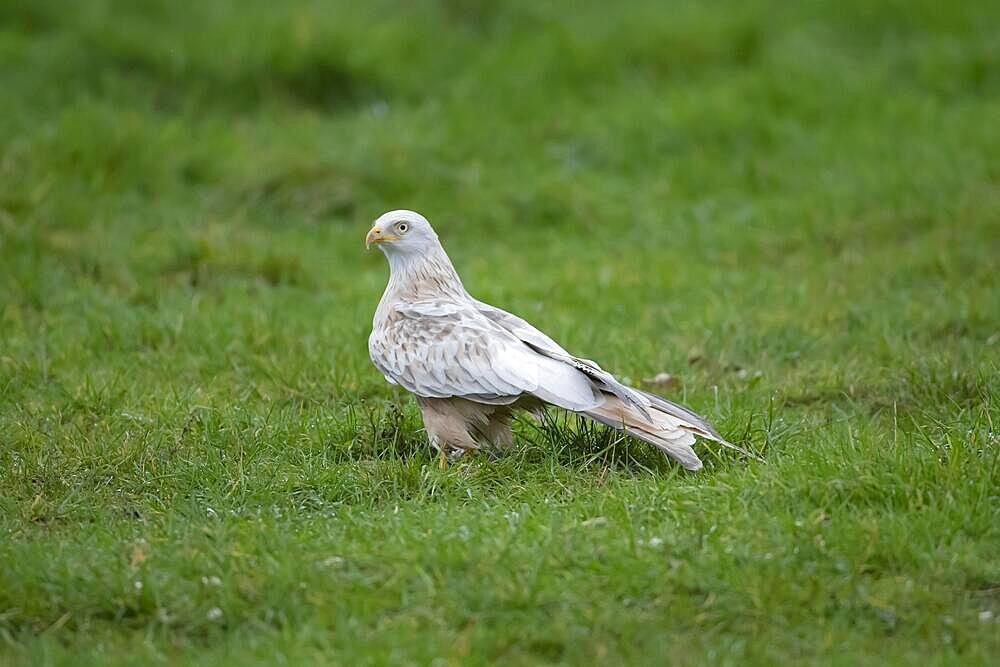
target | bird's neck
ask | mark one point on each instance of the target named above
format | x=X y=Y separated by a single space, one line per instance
x=427 y=276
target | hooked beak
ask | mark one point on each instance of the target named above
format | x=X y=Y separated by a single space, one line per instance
x=376 y=235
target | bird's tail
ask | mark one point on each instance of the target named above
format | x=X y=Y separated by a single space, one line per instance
x=672 y=427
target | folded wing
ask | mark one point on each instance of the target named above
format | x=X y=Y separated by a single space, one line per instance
x=544 y=345
x=442 y=349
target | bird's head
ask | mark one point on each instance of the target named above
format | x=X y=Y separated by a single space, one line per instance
x=402 y=232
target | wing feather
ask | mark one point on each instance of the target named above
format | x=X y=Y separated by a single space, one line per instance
x=438 y=349
x=544 y=345
x=443 y=349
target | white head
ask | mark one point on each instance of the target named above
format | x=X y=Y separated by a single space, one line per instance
x=417 y=262
x=402 y=232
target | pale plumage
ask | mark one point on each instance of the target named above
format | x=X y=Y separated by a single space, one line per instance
x=470 y=364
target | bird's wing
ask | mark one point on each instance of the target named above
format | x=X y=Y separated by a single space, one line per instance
x=661 y=422
x=543 y=344
x=439 y=349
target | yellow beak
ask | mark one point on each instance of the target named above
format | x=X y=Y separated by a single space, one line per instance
x=376 y=235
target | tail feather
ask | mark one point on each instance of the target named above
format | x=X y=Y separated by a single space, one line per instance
x=669 y=427
x=678 y=449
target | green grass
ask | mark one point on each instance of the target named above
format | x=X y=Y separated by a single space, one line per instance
x=792 y=207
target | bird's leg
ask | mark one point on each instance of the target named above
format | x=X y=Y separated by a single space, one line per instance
x=437 y=444
x=446 y=429
x=446 y=456
x=447 y=453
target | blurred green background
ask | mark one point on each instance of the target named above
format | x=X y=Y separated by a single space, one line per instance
x=792 y=208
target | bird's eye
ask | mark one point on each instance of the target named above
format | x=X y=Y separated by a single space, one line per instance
x=402 y=227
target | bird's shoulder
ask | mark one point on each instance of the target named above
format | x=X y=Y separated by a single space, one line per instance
x=432 y=322
x=437 y=313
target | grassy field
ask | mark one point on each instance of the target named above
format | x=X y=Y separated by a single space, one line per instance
x=794 y=209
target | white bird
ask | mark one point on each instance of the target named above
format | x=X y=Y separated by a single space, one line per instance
x=470 y=365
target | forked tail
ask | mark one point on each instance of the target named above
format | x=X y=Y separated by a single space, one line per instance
x=672 y=427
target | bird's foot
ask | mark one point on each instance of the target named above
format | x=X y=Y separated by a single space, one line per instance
x=446 y=456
